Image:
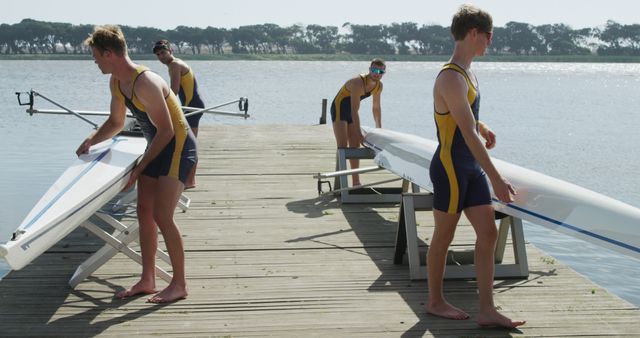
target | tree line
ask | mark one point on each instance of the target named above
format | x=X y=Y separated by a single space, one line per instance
x=515 y=38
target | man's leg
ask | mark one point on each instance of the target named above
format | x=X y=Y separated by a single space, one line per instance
x=341 y=132
x=483 y=222
x=354 y=142
x=445 y=228
x=148 y=238
x=168 y=191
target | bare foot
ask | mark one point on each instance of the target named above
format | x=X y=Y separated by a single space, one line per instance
x=495 y=319
x=139 y=288
x=171 y=293
x=446 y=310
x=189 y=186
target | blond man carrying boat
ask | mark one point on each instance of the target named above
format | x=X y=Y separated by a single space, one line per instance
x=164 y=166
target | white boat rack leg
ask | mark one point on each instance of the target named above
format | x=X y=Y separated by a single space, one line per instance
x=407 y=242
x=128 y=199
x=366 y=193
x=119 y=241
x=184 y=202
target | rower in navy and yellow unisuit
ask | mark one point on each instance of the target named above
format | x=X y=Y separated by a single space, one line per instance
x=341 y=105
x=190 y=97
x=177 y=158
x=458 y=181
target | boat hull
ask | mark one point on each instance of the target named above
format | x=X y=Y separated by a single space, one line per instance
x=540 y=199
x=90 y=182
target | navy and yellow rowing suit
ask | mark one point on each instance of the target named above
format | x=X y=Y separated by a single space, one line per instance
x=458 y=181
x=179 y=156
x=190 y=97
x=341 y=105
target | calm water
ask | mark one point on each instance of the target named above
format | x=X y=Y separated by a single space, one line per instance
x=576 y=122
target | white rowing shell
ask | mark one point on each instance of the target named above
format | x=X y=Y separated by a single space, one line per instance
x=90 y=182
x=540 y=199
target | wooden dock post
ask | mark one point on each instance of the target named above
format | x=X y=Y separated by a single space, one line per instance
x=323 y=117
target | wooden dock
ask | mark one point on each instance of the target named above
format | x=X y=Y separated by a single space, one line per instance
x=267 y=257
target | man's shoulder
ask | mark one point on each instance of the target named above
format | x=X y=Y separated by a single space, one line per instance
x=148 y=79
x=450 y=81
x=450 y=77
x=356 y=81
x=180 y=63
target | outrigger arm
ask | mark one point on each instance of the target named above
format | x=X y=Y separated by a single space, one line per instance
x=32 y=93
x=243 y=106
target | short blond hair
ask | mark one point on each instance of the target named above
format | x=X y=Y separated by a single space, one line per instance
x=108 y=38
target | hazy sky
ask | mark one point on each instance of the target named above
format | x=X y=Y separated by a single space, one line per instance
x=166 y=14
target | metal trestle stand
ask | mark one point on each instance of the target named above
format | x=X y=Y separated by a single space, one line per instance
x=458 y=266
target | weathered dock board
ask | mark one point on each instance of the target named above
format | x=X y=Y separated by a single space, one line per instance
x=267 y=257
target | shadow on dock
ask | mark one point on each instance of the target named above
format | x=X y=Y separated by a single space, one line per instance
x=377 y=237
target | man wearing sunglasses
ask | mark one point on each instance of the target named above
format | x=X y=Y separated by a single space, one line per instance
x=460 y=168
x=346 y=105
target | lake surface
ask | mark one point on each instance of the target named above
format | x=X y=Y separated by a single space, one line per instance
x=576 y=122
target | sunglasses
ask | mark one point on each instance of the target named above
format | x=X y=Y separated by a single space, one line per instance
x=488 y=34
x=378 y=71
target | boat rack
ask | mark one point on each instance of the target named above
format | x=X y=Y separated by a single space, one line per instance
x=459 y=263
x=122 y=235
x=366 y=193
x=118 y=241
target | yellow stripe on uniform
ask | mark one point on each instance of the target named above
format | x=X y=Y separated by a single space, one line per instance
x=447 y=127
x=471 y=92
x=180 y=130
x=187 y=83
x=342 y=95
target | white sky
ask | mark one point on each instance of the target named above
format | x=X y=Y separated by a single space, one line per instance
x=165 y=14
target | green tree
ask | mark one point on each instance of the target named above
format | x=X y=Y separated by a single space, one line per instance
x=619 y=39
x=275 y=39
x=403 y=34
x=522 y=39
x=560 y=39
x=367 y=39
x=7 y=39
x=244 y=39
x=499 y=41
x=324 y=39
x=192 y=37
x=612 y=35
x=434 y=40
x=215 y=38
x=36 y=36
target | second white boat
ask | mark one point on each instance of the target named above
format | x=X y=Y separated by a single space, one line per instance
x=540 y=199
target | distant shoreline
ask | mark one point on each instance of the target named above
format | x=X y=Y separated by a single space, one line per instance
x=344 y=57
